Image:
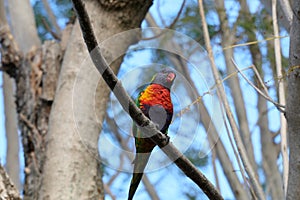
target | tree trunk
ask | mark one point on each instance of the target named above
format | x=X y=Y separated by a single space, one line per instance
x=7 y=188
x=293 y=108
x=11 y=128
x=72 y=167
x=23 y=24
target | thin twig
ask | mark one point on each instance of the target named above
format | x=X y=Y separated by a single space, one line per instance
x=214 y=158
x=52 y=18
x=48 y=28
x=147 y=126
x=118 y=172
x=255 y=42
x=109 y=192
x=266 y=96
x=149 y=187
x=234 y=150
x=221 y=93
x=170 y=26
x=281 y=96
x=261 y=82
x=199 y=98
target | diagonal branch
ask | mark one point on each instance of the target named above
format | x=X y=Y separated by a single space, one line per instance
x=52 y=19
x=266 y=95
x=136 y=114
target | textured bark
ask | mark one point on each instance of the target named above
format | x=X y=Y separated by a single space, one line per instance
x=293 y=108
x=34 y=100
x=7 y=190
x=10 y=55
x=11 y=128
x=75 y=173
x=33 y=74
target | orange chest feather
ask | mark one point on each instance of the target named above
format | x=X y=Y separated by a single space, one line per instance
x=156 y=95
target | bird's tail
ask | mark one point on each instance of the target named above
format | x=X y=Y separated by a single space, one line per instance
x=140 y=162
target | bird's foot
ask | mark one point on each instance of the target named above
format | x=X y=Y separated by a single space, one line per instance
x=166 y=139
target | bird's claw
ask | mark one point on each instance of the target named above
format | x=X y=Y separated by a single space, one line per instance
x=166 y=139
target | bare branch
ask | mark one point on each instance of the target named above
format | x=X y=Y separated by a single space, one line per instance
x=109 y=192
x=266 y=96
x=255 y=42
x=149 y=187
x=48 y=28
x=287 y=10
x=281 y=89
x=235 y=151
x=52 y=19
x=149 y=17
x=136 y=114
x=214 y=157
x=221 y=93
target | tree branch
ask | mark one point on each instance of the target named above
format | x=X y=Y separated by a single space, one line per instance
x=221 y=93
x=281 y=92
x=52 y=19
x=11 y=58
x=287 y=10
x=123 y=143
x=136 y=114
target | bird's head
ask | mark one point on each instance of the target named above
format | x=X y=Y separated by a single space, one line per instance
x=165 y=78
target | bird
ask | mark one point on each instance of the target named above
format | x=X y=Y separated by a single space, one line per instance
x=156 y=104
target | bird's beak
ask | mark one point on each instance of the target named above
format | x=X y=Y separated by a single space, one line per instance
x=171 y=77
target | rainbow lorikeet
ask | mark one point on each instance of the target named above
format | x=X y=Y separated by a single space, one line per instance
x=155 y=102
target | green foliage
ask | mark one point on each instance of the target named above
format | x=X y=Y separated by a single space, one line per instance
x=63 y=11
x=190 y=23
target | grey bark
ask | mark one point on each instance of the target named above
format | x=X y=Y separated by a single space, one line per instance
x=293 y=108
x=11 y=128
x=36 y=83
x=74 y=174
x=7 y=189
x=23 y=24
x=31 y=79
x=283 y=11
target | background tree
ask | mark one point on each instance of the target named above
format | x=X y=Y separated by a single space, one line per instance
x=45 y=56
x=292 y=108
